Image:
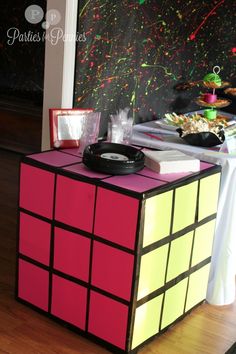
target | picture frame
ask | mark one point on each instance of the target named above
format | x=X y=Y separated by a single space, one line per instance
x=66 y=126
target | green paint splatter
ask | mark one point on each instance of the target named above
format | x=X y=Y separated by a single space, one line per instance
x=121 y=59
x=168 y=73
x=133 y=97
x=83 y=9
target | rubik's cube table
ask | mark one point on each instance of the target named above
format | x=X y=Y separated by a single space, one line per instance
x=117 y=258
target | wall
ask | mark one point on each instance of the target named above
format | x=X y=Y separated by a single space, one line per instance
x=136 y=52
x=59 y=63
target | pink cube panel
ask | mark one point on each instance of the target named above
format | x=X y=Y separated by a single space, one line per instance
x=75 y=203
x=33 y=284
x=116 y=217
x=134 y=182
x=83 y=170
x=72 y=151
x=72 y=254
x=108 y=319
x=112 y=270
x=35 y=237
x=37 y=190
x=55 y=158
x=69 y=301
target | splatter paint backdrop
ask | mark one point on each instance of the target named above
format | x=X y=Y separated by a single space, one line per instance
x=137 y=51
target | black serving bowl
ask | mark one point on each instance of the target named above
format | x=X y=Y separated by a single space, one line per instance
x=204 y=139
x=117 y=159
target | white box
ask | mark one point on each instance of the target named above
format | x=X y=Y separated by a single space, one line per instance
x=170 y=161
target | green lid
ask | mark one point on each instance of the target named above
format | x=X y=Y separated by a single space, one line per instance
x=212 y=77
x=210 y=114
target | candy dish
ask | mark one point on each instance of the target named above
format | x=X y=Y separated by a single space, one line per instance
x=203 y=139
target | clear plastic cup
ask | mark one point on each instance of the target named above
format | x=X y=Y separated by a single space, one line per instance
x=90 y=130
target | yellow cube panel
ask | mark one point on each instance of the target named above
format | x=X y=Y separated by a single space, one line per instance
x=185 y=206
x=203 y=242
x=157 y=218
x=208 y=196
x=174 y=303
x=147 y=320
x=152 y=271
x=179 y=258
x=198 y=282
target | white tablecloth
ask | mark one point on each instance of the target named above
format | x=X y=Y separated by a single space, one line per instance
x=221 y=286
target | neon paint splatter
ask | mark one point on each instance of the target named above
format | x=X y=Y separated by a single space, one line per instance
x=193 y=35
x=135 y=55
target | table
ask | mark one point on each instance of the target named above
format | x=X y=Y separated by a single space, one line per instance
x=221 y=287
x=118 y=259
